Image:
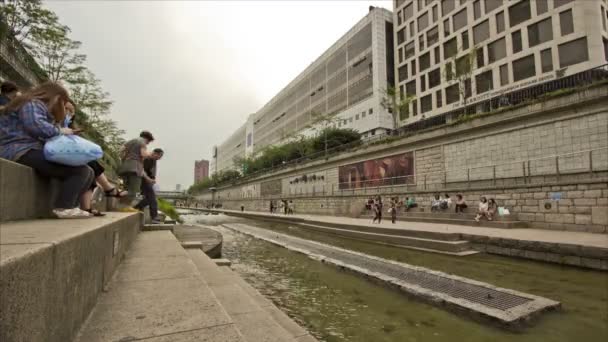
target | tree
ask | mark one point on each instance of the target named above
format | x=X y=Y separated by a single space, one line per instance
x=321 y=123
x=86 y=91
x=26 y=17
x=461 y=70
x=396 y=103
x=57 y=53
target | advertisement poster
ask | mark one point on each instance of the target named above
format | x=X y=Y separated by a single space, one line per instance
x=391 y=170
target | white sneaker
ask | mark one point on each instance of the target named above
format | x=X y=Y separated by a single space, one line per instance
x=74 y=213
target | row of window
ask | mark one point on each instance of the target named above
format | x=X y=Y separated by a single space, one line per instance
x=570 y=53
x=355 y=117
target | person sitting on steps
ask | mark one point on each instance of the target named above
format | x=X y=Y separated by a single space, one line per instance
x=461 y=205
x=482 y=208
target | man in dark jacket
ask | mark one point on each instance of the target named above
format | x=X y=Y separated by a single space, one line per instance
x=147 y=185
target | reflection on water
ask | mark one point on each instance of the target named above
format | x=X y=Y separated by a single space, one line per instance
x=336 y=306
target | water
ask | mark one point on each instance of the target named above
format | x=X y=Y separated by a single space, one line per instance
x=337 y=306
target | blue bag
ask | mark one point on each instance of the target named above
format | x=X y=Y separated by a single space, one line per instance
x=71 y=150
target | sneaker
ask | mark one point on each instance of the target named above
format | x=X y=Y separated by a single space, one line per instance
x=128 y=210
x=155 y=222
x=74 y=213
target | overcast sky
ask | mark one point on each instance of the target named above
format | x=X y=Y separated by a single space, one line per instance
x=191 y=72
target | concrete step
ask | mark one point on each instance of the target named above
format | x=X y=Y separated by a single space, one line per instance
x=256 y=318
x=158 y=294
x=52 y=272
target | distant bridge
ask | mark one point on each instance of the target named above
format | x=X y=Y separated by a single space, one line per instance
x=172 y=195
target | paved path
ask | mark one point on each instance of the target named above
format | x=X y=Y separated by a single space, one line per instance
x=528 y=234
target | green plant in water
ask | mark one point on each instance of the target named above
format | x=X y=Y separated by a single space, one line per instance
x=169 y=210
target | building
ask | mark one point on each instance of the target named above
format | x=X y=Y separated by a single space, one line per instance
x=201 y=170
x=454 y=53
x=347 y=82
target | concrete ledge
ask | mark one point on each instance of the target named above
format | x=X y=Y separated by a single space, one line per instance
x=53 y=271
x=222 y=262
x=192 y=244
x=156 y=227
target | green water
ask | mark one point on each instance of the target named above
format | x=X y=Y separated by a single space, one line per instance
x=337 y=306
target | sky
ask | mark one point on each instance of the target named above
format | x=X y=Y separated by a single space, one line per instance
x=191 y=72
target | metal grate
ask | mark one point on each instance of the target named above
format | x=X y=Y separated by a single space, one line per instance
x=455 y=288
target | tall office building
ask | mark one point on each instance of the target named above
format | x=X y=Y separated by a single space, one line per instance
x=201 y=170
x=347 y=82
x=455 y=53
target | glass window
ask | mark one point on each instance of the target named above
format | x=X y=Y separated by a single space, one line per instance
x=449 y=74
x=566 y=24
x=402 y=73
x=398 y=18
x=400 y=53
x=450 y=48
x=421 y=42
x=414 y=107
x=557 y=3
x=484 y=82
x=452 y=94
x=516 y=38
x=413 y=67
x=605 y=49
x=412 y=29
x=438 y=98
x=546 y=61
x=497 y=50
x=434 y=78
x=357 y=117
x=422 y=83
x=432 y=36
x=435 y=14
x=492 y=5
x=519 y=13
x=463 y=65
x=410 y=88
x=410 y=50
x=460 y=19
x=504 y=74
x=481 y=32
x=371 y=111
x=500 y=22
x=542 y=6
x=480 y=57
x=425 y=61
x=423 y=22
x=468 y=91
x=465 y=40
x=437 y=55
x=426 y=103
x=477 y=9
x=401 y=36
x=447 y=6
x=573 y=52
x=446 y=27
x=408 y=12
x=523 y=68
x=540 y=32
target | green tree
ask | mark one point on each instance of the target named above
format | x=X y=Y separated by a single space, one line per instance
x=25 y=18
x=397 y=104
x=321 y=123
x=57 y=53
x=460 y=68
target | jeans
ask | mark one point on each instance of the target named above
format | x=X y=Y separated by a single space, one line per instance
x=74 y=180
x=133 y=185
x=147 y=190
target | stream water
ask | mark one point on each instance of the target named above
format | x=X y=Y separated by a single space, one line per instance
x=337 y=306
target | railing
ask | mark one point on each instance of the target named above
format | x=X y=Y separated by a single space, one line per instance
x=576 y=165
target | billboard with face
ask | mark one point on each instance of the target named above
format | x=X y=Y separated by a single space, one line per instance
x=396 y=169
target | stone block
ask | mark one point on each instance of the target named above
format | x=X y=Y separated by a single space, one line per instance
x=526 y=217
x=510 y=202
x=571 y=260
x=559 y=218
x=515 y=196
x=527 y=195
x=539 y=217
x=582 y=186
x=582 y=219
x=565 y=201
x=599 y=215
x=531 y=202
x=574 y=194
x=598 y=186
x=540 y=195
x=529 y=209
x=602 y=201
x=592 y=193
x=585 y=201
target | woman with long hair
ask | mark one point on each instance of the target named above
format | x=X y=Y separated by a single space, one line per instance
x=29 y=120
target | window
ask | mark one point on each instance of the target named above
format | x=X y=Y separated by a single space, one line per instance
x=484 y=82
x=437 y=55
x=402 y=73
x=422 y=83
x=481 y=32
x=500 y=22
x=362 y=115
x=450 y=48
x=546 y=61
x=573 y=52
x=432 y=36
x=357 y=117
x=425 y=61
x=410 y=88
x=504 y=74
x=410 y=50
x=446 y=27
x=449 y=74
x=434 y=12
x=452 y=94
x=523 y=68
x=414 y=107
x=421 y=42
x=350 y=120
x=438 y=98
x=565 y=22
x=408 y=12
x=557 y=3
x=426 y=103
x=540 y=32
x=423 y=22
x=463 y=65
x=447 y=6
x=412 y=29
x=605 y=49
x=519 y=13
x=477 y=9
x=492 y=5
x=400 y=55
x=542 y=6
x=465 y=40
x=371 y=111
x=497 y=50
x=434 y=78
x=479 y=57
x=516 y=38
x=401 y=36
x=467 y=88
x=413 y=67
x=460 y=19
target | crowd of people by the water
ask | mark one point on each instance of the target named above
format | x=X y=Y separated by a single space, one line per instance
x=32 y=118
x=286 y=207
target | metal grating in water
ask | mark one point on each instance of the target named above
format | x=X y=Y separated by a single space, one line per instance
x=455 y=288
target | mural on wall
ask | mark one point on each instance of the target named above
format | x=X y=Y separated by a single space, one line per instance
x=378 y=172
x=271 y=188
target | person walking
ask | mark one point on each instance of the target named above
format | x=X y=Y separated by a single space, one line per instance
x=377 y=210
x=131 y=169
x=147 y=185
x=393 y=210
